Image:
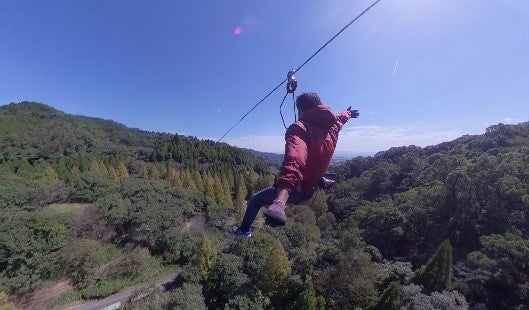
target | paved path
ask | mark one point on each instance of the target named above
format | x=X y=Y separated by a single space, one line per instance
x=114 y=301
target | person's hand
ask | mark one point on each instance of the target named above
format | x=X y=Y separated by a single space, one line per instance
x=354 y=113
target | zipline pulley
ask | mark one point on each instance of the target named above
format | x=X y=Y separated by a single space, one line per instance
x=292 y=84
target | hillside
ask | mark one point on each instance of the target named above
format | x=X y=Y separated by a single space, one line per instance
x=473 y=191
x=36 y=131
x=99 y=206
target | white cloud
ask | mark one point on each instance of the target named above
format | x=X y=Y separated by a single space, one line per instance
x=509 y=120
x=376 y=138
x=359 y=139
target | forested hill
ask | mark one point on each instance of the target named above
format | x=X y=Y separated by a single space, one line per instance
x=35 y=131
x=105 y=206
x=472 y=192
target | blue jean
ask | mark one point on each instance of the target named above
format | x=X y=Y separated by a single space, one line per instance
x=265 y=198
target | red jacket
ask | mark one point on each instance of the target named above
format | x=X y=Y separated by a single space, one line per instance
x=310 y=144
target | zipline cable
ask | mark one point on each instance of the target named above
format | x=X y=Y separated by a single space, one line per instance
x=302 y=65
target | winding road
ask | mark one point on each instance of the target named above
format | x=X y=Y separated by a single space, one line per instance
x=114 y=301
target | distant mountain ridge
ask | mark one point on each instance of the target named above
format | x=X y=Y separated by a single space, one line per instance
x=37 y=131
x=273 y=158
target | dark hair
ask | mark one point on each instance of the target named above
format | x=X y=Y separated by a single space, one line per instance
x=307 y=101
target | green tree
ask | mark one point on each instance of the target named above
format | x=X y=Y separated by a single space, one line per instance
x=499 y=269
x=307 y=299
x=226 y=190
x=240 y=199
x=207 y=257
x=187 y=297
x=4 y=302
x=176 y=180
x=226 y=281
x=50 y=174
x=187 y=180
x=390 y=298
x=218 y=190
x=436 y=275
x=274 y=275
x=319 y=203
x=209 y=185
x=30 y=244
x=74 y=176
x=197 y=178
x=81 y=260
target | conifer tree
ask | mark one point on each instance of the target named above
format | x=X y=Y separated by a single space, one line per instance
x=94 y=165
x=226 y=190
x=83 y=161
x=144 y=173
x=197 y=178
x=209 y=185
x=162 y=171
x=102 y=167
x=50 y=174
x=187 y=180
x=176 y=180
x=436 y=275
x=168 y=172
x=275 y=273
x=319 y=203
x=231 y=178
x=240 y=199
x=74 y=175
x=390 y=298
x=207 y=256
x=251 y=180
x=112 y=174
x=122 y=171
x=153 y=172
x=62 y=168
x=217 y=187
x=308 y=299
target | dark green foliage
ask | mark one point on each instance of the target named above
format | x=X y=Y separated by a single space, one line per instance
x=206 y=154
x=226 y=281
x=81 y=260
x=408 y=199
x=436 y=275
x=307 y=298
x=187 y=297
x=150 y=213
x=390 y=298
x=13 y=192
x=497 y=274
x=30 y=245
x=90 y=186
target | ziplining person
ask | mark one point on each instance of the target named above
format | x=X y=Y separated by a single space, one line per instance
x=309 y=145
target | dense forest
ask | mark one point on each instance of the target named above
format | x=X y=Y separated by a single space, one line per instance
x=100 y=206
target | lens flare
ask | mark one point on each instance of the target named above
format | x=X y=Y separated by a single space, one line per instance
x=237 y=30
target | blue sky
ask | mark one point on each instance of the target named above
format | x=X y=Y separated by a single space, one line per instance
x=420 y=71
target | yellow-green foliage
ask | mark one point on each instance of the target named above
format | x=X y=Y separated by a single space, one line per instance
x=4 y=303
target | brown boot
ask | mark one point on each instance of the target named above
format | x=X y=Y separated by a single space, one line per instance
x=276 y=212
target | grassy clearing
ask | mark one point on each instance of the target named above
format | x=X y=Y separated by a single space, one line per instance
x=148 y=269
x=65 y=208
